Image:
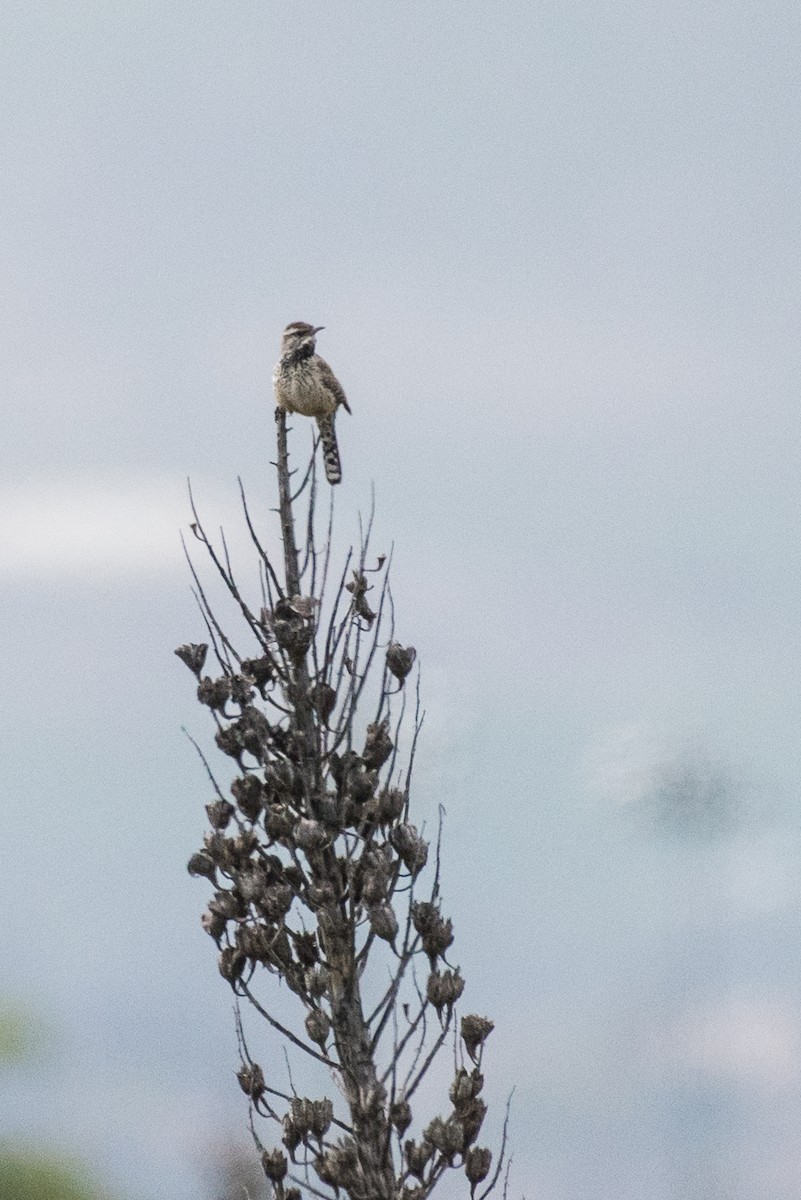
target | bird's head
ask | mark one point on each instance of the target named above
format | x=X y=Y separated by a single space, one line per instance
x=298 y=338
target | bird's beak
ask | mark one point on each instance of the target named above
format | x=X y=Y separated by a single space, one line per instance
x=319 y=327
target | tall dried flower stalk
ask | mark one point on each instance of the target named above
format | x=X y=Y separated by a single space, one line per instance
x=317 y=870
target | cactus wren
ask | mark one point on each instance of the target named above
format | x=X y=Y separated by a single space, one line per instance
x=304 y=383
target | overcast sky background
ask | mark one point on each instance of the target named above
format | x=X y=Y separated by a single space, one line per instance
x=556 y=248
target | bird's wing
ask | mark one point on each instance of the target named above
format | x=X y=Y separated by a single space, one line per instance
x=333 y=385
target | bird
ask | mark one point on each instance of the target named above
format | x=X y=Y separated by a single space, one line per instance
x=304 y=383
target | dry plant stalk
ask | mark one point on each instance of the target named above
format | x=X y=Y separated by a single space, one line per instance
x=316 y=867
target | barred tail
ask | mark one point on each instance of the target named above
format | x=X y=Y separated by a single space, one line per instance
x=333 y=467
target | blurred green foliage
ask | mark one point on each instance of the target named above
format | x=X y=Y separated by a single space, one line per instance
x=26 y=1176
x=19 y=1035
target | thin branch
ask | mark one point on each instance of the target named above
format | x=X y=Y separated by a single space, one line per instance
x=304 y=1182
x=287 y=1033
x=265 y=558
x=204 y=760
x=226 y=577
x=408 y=1035
x=285 y=509
x=409 y=1092
x=504 y=1136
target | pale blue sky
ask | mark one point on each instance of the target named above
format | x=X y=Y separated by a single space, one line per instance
x=556 y=251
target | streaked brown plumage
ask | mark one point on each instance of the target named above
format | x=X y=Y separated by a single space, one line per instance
x=304 y=383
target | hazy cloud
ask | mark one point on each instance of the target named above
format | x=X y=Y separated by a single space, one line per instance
x=665 y=776
x=100 y=527
x=744 y=1040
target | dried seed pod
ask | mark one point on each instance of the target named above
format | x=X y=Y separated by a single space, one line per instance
x=477 y=1165
x=251 y=882
x=278 y=822
x=318 y=1026
x=374 y=873
x=327 y=808
x=241 y=690
x=243 y=845
x=255 y=732
x=339 y=1164
x=254 y=941
x=400 y=1115
x=361 y=785
x=337 y=767
x=475 y=1031
x=294 y=637
x=425 y=916
x=275 y=1165
x=281 y=951
x=276 y=901
x=283 y=609
x=281 y=741
x=445 y=1136
x=219 y=813
x=316 y=982
x=306 y=949
x=418 y=1156
x=378 y=857
x=375 y=885
x=377 y=745
x=214 y=692
x=273 y=866
x=245 y=937
x=213 y=924
x=248 y=791
x=226 y=904
x=327 y=1169
x=412 y=849
x=400 y=660
x=292 y=1135
x=226 y=852
x=304 y=1114
x=231 y=963
x=217 y=846
x=358 y=589
x=304 y=606
x=310 y=836
x=293 y=876
x=435 y=932
x=324 y=699
x=320 y=895
x=193 y=656
x=443 y=990
x=230 y=741
x=465 y=1087
x=251 y=1080
x=383 y=922
x=472 y=1117
x=293 y=978
x=282 y=780
x=391 y=803
x=321 y=1116
x=260 y=670
x=300 y=1114
x=202 y=864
